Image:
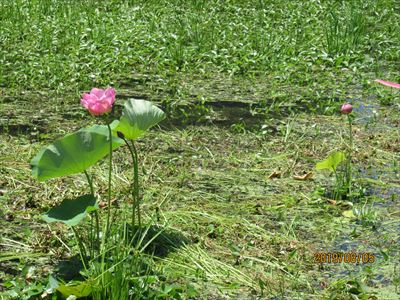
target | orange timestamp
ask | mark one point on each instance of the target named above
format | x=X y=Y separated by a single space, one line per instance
x=344 y=257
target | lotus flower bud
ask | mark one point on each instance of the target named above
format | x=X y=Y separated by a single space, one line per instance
x=346 y=108
x=120 y=135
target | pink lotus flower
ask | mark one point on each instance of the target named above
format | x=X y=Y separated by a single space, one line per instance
x=346 y=108
x=388 y=83
x=99 y=101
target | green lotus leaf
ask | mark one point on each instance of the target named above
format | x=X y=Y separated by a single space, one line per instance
x=71 y=211
x=331 y=162
x=137 y=117
x=114 y=125
x=77 y=289
x=73 y=153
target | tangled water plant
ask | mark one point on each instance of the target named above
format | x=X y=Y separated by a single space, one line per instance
x=76 y=153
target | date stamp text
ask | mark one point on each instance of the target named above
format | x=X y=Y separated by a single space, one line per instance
x=344 y=257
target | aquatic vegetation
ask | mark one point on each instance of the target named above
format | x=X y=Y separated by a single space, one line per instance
x=332 y=163
x=343 y=184
x=251 y=88
x=76 y=153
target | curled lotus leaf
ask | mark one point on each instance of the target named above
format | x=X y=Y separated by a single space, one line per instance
x=137 y=117
x=73 y=153
x=331 y=162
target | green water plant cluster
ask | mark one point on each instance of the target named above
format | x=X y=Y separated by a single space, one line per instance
x=110 y=246
x=331 y=163
x=343 y=176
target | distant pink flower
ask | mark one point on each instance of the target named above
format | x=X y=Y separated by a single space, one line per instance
x=99 y=101
x=346 y=108
x=388 y=83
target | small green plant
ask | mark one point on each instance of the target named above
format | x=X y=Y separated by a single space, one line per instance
x=366 y=216
x=332 y=163
x=239 y=127
x=349 y=289
x=343 y=184
x=19 y=289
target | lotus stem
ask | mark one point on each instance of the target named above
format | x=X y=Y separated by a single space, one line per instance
x=109 y=181
x=350 y=153
x=133 y=190
x=82 y=249
x=136 y=183
x=90 y=182
x=96 y=214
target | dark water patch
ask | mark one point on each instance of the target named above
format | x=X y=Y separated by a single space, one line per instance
x=385 y=172
x=24 y=129
x=387 y=194
x=135 y=80
x=22 y=120
x=379 y=278
x=379 y=281
x=366 y=113
x=224 y=114
x=73 y=115
x=130 y=95
x=160 y=241
x=69 y=269
x=346 y=244
x=381 y=240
